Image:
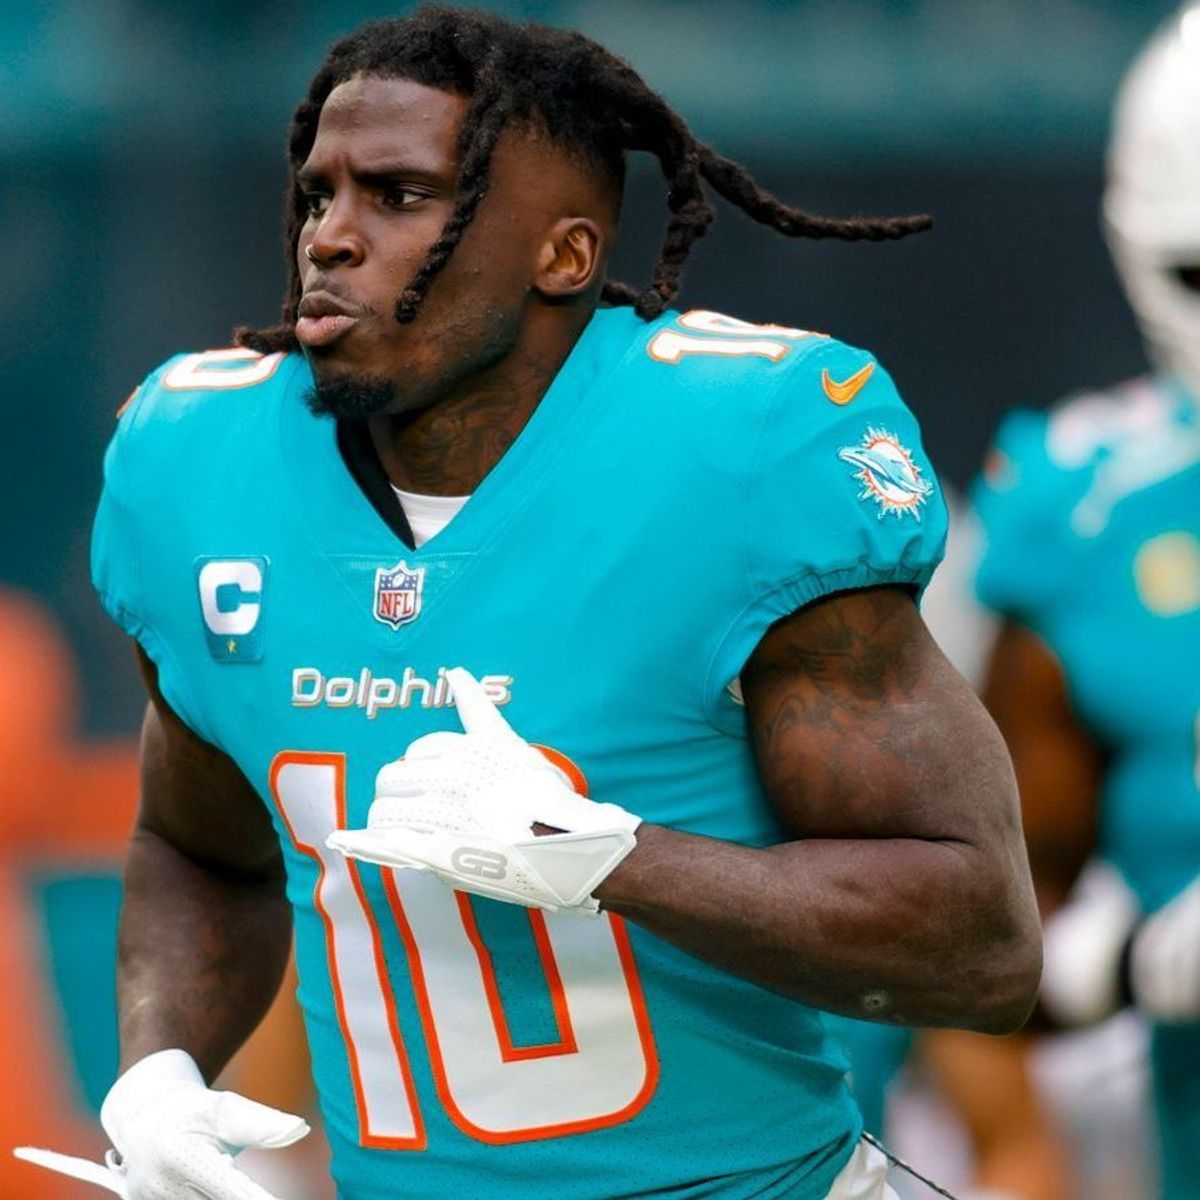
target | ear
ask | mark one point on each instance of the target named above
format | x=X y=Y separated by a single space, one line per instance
x=569 y=258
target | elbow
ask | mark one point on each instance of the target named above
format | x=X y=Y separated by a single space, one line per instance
x=989 y=957
x=998 y=963
x=1003 y=980
x=1012 y=994
x=983 y=977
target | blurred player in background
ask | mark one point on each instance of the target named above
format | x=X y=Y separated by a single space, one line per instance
x=1092 y=517
x=617 y=515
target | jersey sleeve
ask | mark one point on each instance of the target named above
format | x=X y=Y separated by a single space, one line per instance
x=840 y=496
x=1021 y=499
x=133 y=497
x=842 y=493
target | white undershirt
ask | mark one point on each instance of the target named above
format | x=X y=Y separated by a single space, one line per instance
x=428 y=515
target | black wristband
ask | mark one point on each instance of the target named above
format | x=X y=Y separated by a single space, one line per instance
x=1125 y=993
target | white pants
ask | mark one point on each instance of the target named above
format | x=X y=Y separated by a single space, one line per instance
x=864 y=1177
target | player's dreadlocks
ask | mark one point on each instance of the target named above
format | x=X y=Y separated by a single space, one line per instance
x=587 y=101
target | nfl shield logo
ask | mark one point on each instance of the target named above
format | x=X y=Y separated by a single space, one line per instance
x=398 y=594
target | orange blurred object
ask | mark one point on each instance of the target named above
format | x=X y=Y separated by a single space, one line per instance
x=60 y=801
x=67 y=806
x=57 y=795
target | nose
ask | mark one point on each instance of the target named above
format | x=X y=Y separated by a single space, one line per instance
x=336 y=242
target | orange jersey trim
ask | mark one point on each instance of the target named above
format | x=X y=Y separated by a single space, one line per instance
x=366 y=1138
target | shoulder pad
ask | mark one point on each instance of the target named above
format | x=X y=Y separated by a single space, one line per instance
x=183 y=380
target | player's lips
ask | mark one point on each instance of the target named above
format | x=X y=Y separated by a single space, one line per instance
x=322 y=318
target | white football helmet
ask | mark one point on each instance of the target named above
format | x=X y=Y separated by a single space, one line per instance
x=1152 y=201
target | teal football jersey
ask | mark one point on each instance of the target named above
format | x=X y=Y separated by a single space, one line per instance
x=877 y=1053
x=1092 y=520
x=682 y=485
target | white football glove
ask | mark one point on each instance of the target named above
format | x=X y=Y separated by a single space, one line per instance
x=463 y=806
x=1100 y=954
x=1164 y=960
x=174 y=1137
x=1083 y=944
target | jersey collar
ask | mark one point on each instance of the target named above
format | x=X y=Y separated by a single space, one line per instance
x=339 y=484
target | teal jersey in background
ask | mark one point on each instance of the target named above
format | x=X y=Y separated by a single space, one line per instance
x=77 y=909
x=682 y=485
x=1092 y=521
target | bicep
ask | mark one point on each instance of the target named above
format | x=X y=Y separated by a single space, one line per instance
x=1058 y=764
x=196 y=798
x=863 y=729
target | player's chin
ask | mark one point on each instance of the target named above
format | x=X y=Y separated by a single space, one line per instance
x=349 y=395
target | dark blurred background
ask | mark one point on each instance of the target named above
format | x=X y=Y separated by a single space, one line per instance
x=141 y=154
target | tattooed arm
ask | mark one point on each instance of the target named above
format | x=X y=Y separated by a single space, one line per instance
x=906 y=896
x=205 y=926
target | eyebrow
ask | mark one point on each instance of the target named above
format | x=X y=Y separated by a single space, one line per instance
x=378 y=174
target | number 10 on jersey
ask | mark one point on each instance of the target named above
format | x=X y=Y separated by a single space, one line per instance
x=600 y=1070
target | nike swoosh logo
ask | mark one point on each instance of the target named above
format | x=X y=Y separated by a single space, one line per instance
x=844 y=392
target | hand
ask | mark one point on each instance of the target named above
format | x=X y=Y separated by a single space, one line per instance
x=1164 y=960
x=175 y=1138
x=464 y=806
x=1083 y=945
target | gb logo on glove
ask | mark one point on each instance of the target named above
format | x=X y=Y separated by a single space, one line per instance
x=464 y=806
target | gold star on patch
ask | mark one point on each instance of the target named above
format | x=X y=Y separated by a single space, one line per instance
x=231 y=646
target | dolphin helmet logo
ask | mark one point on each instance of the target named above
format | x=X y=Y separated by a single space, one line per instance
x=888 y=474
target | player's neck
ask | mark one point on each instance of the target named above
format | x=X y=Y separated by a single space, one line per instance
x=447 y=448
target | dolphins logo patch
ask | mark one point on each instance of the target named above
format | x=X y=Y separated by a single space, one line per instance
x=888 y=474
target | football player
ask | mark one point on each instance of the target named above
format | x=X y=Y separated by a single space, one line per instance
x=1093 y=557
x=443 y=591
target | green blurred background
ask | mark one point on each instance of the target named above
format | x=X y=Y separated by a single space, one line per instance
x=142 y=168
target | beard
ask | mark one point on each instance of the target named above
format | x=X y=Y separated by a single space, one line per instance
x=351 y=397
